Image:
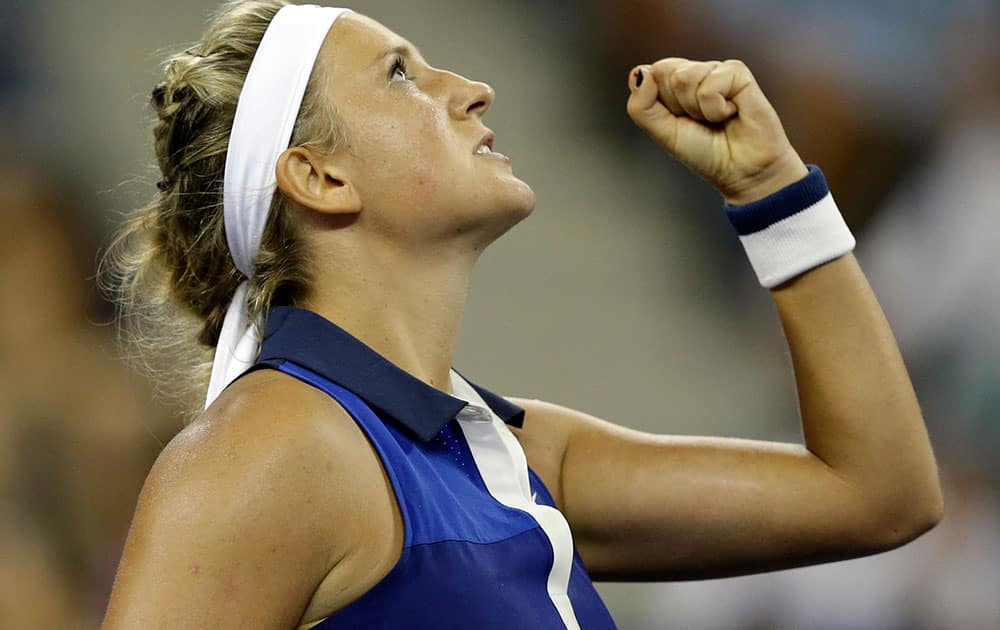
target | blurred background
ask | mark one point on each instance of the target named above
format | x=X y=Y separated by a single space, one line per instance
x=640 y=302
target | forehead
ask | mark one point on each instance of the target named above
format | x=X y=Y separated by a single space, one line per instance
x=356 y=43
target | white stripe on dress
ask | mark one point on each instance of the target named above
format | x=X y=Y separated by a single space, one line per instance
x=504 y=468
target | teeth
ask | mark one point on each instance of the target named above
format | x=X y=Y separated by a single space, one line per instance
x=483 y=149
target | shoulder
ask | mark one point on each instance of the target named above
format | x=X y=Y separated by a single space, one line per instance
x=264 y=496
x=560 y=424
x=268 y=413
x=551 y=423
x=550 y=431
x=286 y=444
x=270 y=432
x=544 y=436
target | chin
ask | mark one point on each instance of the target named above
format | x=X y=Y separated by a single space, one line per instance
x=493 y=223
x=516 y=208
x=510 y=215
x=522 y=200
x=492 y=215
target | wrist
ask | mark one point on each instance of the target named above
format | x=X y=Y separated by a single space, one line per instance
x=785 y=171
x=791 y=230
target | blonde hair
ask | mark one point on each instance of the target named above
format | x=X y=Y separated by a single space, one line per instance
x=168 y=268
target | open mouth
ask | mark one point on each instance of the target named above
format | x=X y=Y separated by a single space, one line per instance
x=485 y=147
x=485 y=144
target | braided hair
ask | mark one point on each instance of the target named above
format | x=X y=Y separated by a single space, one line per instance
x=168 y=268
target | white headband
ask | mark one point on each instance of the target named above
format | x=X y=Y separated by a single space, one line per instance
x=262 y=129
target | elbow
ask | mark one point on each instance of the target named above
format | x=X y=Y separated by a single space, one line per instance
x=933 y=506
x=907 y=518
x=903 y=531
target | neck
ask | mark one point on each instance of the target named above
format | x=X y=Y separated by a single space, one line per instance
x=405 y=306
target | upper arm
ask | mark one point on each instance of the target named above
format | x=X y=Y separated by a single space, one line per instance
x=232 y=529
x=645 y=506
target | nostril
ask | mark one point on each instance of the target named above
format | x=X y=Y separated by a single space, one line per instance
x=478 y=105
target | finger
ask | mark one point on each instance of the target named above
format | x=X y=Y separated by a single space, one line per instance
x=685 y=81
x=741 y=88
x=646 y=109
x=662 y=70
x=643 y=100
x=712 y=94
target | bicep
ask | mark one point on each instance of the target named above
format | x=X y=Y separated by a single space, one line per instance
x=222 y=537
x=653 y=507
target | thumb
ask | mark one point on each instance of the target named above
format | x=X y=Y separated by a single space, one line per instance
x=646 y=109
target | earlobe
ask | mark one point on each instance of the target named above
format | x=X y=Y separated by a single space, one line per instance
x=313 y=182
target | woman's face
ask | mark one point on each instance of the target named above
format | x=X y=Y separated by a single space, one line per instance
x=413 y=131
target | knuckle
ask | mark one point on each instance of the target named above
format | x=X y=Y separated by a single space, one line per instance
x=680 y=79
x=669 y=62
x=664 y=67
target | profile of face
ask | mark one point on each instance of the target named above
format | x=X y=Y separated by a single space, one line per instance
x=411 y=174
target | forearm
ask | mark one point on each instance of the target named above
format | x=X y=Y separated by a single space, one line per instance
x=859 y=413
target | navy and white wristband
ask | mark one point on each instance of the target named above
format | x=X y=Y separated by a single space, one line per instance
x=793 y=230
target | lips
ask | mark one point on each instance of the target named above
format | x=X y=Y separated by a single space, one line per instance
x=487 y=140
x=487 y=143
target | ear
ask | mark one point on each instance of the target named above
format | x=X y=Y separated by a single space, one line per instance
x=315 y=182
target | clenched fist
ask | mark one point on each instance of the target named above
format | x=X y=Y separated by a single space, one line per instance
x=714 y=118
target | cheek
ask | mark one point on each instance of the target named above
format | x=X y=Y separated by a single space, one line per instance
x=419 y=158
x=410 y=150
x=426 y=149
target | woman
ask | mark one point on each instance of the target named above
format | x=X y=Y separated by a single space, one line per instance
x=344 y=475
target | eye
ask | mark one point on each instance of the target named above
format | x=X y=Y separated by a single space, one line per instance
x=398 y=67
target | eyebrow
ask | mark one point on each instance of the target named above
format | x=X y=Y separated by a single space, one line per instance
x=402 y=49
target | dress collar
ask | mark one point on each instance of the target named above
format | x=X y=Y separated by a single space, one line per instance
x=307 y=339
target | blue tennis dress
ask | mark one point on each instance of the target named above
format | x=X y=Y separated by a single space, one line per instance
x=485 y=546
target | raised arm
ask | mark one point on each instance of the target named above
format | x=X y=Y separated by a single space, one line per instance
x=647 y=506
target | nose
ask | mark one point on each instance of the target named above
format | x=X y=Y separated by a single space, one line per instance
x=473 y=97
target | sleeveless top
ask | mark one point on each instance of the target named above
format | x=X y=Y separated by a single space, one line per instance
x=484 y=545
